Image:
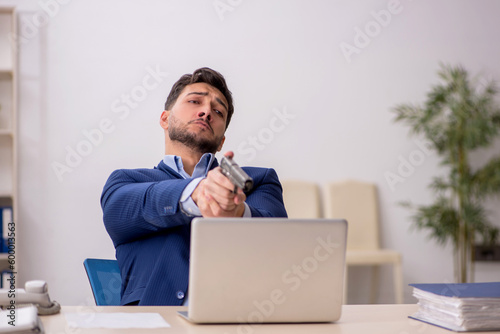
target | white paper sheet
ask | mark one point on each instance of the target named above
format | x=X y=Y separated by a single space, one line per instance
x=116 y=320
x=24 y=319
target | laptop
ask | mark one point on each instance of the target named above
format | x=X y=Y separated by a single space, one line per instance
x=266 y=270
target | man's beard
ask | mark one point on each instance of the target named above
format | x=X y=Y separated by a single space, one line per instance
x=181 y=134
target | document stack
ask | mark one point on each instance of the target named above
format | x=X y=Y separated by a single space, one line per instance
x=22 y=320
x=459 y=307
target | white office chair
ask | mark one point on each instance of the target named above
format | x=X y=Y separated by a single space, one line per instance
x=301 y=198
x=357 y=202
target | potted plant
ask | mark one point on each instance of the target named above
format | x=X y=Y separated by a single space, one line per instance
x=458 y=117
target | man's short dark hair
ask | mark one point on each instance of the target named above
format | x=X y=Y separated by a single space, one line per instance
x=205 y=75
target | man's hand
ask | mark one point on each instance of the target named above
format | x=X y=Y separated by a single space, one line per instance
x=215 y=198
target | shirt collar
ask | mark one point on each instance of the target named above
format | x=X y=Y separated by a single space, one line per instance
x=200 y=170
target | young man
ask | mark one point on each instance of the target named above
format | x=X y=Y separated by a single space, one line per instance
x=147 y=212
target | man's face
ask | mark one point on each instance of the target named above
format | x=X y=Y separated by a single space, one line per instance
x=198 y=118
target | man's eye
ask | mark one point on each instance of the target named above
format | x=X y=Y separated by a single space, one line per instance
x=218 y=112
x=193 y=101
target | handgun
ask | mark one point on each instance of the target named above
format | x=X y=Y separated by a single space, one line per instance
x=235 y=174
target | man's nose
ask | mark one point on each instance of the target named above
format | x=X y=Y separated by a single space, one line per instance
x=207 y=114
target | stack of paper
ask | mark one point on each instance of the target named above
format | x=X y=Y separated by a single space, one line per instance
x=459 y=307
x=20 y=320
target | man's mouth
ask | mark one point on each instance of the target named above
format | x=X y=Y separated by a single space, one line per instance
x=203 y=124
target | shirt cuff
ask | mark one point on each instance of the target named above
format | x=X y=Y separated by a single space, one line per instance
x=247 y=213
x=187 y=204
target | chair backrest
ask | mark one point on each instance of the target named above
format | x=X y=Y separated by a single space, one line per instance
x=302 y=199
x=105 y=280
x=356 y=202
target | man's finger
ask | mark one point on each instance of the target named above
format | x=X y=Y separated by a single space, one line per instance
x=220 y=179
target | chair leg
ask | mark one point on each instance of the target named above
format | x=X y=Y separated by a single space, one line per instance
x=398 y=282
x=345 y=284
x=375 y=284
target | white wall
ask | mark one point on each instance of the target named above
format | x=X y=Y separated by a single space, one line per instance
x=278 y=57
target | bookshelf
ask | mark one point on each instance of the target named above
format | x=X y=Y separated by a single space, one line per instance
x=8 y=116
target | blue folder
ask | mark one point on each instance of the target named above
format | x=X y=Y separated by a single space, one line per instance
x=462 y=290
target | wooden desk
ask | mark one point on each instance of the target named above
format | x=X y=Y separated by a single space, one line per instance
x=372 y=319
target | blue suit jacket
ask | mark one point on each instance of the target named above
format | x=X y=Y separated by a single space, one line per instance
x=151 y=234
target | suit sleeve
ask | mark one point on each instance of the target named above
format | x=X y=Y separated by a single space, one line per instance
x=266 y=200
x=134 y=206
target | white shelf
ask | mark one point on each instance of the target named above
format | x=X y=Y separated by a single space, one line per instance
x=8 y=114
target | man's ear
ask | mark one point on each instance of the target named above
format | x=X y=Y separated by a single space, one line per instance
x=164 y=119
x=221 y=144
